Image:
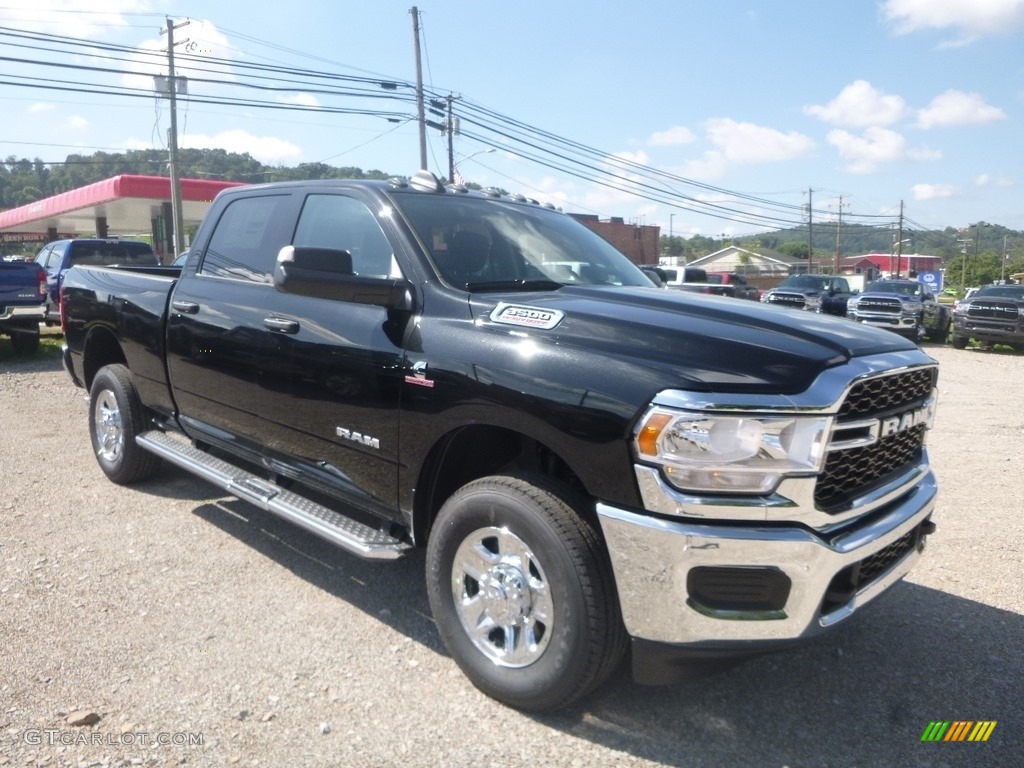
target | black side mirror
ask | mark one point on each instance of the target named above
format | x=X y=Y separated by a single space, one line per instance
x=326 y=273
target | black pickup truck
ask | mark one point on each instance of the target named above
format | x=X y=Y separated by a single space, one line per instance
x=588 y=461
x=827 y=294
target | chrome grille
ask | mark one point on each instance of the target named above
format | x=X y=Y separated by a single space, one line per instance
x=990 y=310
x=854 y=471
x=879 y=305
x=788 y=299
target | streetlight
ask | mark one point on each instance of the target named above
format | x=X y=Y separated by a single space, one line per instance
x=470 y=157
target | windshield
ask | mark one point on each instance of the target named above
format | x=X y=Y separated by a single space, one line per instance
x=806 y=282
x=1003 y=291
x=903 y=289
x=482 y=244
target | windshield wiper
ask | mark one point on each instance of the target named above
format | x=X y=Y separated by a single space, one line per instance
x=514 y=285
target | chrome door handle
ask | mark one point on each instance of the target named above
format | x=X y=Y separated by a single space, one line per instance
x=187 y=307
x=281 y=324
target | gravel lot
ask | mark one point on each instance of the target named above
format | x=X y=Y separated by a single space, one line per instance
x=172 y=612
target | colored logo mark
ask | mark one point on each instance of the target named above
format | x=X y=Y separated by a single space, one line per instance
x=958 y=730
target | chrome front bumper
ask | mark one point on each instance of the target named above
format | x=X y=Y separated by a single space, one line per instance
x=652 y=559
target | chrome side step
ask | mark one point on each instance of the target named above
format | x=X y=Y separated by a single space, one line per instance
x=349 y=534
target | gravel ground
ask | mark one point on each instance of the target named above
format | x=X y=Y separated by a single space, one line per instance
x=175 y=614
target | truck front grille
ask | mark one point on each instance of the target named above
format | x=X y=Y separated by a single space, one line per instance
x=788 y=299
x=854 y=471
x=879 y=305
x=989 y=310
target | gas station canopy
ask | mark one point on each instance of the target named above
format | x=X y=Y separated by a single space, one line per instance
x=122 y=205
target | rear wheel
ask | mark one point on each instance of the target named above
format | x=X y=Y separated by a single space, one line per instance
x=115 y=419
x=522 y=592
x=959 y=342
x=25 y=340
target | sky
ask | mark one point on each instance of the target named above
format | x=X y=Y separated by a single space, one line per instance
x=712 y=118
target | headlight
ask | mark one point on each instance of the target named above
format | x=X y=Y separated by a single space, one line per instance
x=960 y=308
x=718 y=453
x=812 y=302
x=766 y=297
x=912 y=308
x=851 y=304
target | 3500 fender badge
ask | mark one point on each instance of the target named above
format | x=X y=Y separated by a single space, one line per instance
x=526 y=316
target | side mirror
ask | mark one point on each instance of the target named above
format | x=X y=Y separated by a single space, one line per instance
x=326 y=273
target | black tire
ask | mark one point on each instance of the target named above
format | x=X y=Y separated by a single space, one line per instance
x=940 y=334
x=25 y=340
x=116 y=417
x=550 y=643
x=959 y=342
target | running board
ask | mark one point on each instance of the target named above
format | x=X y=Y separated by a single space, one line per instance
x=349 y=534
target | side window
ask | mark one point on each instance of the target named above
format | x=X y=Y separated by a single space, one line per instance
x=344 y=223
x=243 y=245
x=44 y=255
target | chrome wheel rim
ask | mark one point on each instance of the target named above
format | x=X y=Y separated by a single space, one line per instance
x=502 y=597
x=108 y=428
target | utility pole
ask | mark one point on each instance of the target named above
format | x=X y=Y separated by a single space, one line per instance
x=839 y=226
x=1002 y=263
x=899 y=244
x=810 y=230
x=419 y=88
x=172 y=144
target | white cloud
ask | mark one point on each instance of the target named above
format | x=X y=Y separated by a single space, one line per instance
x=958 y=108
x=988 y=180
x=40 y=106
x=673 y=137
x=860 y=104
x=302 y=99
x=738 y=143
x=748 y=143
x=876 y=146
x=76 y=18
x=640 y=157
x=968 y=18
x=933 y=191
x=77 y=123
x=266 y=149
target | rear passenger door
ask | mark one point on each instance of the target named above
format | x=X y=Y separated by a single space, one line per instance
x=215 y=325
x=332 y=371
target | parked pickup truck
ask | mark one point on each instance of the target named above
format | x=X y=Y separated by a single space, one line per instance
x=587 y=460
x=731 y=284
x=992 y=315
x=58 y=257
x=906 y=307
x=827 y=294
x=22 y=304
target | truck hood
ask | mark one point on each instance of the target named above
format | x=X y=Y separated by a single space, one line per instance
x=685 y=340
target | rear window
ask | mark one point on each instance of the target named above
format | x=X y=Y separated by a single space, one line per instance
x=111 y=254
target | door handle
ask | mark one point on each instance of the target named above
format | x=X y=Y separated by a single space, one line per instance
x=281 y=324
x=187 y=307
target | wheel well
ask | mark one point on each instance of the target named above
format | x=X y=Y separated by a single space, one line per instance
x=101 y=348
x=478 y=451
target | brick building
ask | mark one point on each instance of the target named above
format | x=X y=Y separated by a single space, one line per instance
x=638 y=241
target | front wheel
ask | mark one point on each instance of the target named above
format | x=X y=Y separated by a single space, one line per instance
x=522 y=592
x=959 y=342
x=115 y=418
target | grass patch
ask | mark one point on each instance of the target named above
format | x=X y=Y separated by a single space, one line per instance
x=49 y=349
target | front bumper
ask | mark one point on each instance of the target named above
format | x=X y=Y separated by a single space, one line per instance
x=653 y=558
x=899 y=323
x=988 y=330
